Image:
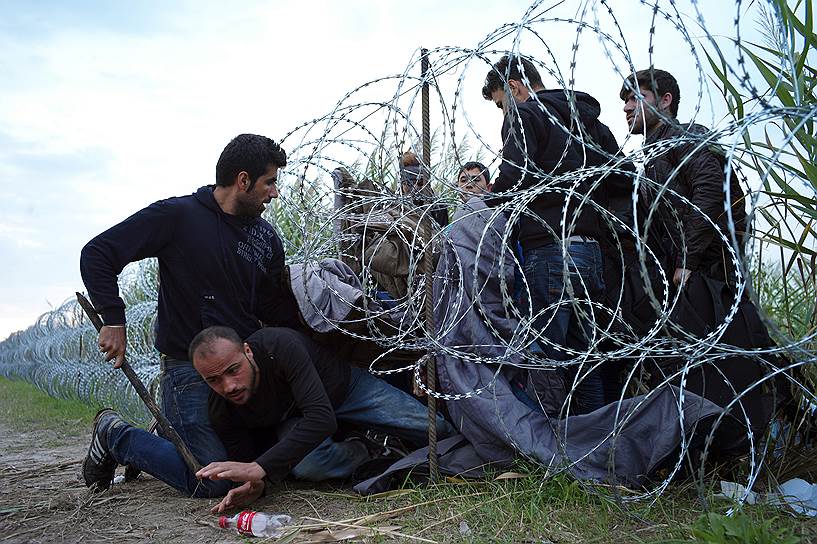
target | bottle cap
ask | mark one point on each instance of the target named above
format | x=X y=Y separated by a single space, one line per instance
x=222 y=522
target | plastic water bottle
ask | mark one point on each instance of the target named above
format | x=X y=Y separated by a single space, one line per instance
x=255 y=523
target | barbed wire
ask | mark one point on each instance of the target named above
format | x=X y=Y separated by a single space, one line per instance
x=360 y=144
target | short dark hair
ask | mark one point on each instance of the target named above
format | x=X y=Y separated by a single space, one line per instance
x=507 y=68
x=658 y=81
x=479 y=166
x=204 y=340
x=250 y=153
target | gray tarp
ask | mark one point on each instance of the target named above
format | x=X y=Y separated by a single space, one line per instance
x=621 y=442
x=326 y=292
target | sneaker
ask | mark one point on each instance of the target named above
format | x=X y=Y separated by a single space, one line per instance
x=99 y=466
x=391 y=445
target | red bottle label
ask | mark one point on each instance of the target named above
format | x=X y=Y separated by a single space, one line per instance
x=244 y=523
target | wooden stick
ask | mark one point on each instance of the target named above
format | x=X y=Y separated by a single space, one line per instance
x=167 y=429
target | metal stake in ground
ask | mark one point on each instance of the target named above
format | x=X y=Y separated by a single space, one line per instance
x=428 y=269
x=167 y=429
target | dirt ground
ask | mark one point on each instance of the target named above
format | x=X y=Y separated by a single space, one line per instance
x=43 y=499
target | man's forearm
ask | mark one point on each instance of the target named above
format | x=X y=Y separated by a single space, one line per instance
x=279 y=460
x=100 y=279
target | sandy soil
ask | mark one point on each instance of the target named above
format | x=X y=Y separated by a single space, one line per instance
x=43 y=499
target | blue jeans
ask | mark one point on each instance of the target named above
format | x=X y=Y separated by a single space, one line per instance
x=565 y=326
x=370 y=403
x=184 y=403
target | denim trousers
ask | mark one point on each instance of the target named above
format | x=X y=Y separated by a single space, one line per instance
x=370 y=403
x=184 y=403
x=563 y=316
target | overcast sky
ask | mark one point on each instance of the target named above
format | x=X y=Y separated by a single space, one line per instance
x=108 y=106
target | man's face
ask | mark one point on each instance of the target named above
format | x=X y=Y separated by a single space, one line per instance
x=229 y=370
x=253 y=202
x=471 y=183
x=641 y=115
x=411 y=180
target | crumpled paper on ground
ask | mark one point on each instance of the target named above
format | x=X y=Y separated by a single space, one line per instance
x=797 y=494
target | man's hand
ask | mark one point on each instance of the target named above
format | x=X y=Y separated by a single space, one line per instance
x=112 y=342
x=681 y=276
x=240 y=496
x=232 y=470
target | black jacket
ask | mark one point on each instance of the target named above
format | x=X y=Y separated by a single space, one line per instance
x=536 y=151
x=701 y=180
x=214 y=269
x=298 y=380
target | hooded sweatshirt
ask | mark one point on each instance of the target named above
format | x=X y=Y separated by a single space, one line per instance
x=537 y=151
x=214 y=269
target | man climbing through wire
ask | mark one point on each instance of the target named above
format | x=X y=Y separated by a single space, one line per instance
x=473 y=180
x=278 y=398
x=220 y=263
x=559 y=230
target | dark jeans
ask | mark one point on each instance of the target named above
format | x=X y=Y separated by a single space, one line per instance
x=370 y=403
x=184 y=403
x=563 y=317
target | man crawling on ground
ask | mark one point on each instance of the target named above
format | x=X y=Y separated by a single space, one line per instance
x=276 y=401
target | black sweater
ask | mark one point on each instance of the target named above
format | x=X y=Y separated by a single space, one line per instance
x=214 y=269
x=297 y=378
x=536 y=152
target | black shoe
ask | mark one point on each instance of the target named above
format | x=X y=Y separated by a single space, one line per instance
x=384 y=451
x=99 y=466
x=380 y=444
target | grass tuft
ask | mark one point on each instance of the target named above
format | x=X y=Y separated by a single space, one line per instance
x=27 y=408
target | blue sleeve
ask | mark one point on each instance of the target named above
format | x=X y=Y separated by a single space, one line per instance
x=144 y=234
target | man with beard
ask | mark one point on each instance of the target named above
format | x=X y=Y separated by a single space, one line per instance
x=696 y=212
x=220 y=263
x=278 y=397
x=691 y=169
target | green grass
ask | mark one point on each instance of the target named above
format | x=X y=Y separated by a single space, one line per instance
x=24 y=407
x=559 y=509
x=528 y=508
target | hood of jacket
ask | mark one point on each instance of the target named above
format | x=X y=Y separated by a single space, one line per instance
x=205 y=196
x=587 y=107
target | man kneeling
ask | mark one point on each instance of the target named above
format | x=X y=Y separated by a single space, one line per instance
x=279 y=396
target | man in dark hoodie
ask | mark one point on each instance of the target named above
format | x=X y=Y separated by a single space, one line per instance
x=560 y=229
x=691 y=169
x=220 y=263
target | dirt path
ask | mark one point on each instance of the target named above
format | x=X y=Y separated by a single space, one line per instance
x=42 y=499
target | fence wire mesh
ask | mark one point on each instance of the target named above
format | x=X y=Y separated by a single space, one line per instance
x=328 y=210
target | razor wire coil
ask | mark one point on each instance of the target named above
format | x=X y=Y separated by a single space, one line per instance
x=367 y=132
